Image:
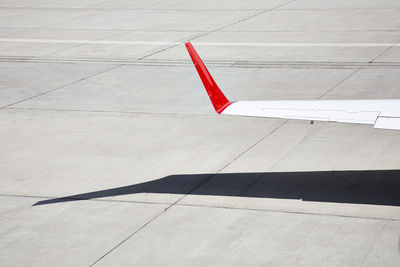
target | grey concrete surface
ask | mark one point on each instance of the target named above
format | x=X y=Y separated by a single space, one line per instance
x=122 y=51
x=91 y=151
x=21 y=81
x=151 y=19
x=322 y=20
x=368 y=83
x=111 y=154
x=68 y=234
x=220 y=237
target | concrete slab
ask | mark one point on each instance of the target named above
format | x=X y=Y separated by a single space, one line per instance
x=132 y=88
x=226 y=237
x=154 y=20
x=10 y=13
x=336 y=51
x=66 y=153
x=77 y=233
x=10 y=205
x=75 y=4
x=13 y=49
x=23 y=80
x=342 y=4
x=58 y=34
x=324 y=37
x=117 y=4
x=107 y=52
x=24 y=4
x=368 y=84
x=366 y=147
x=314 y=147
x=9 y=32
x=18 y=44
x=36 y=18
x=125 y=51
x=205 y=5
x=151 y=36
x=322 y=20
x=16 y=3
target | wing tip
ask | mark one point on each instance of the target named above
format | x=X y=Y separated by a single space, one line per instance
x=221 y=109
x=218 y=99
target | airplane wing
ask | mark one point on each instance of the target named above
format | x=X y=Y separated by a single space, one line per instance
x=382 y=113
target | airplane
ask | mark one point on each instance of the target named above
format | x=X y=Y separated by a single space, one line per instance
x=382 y=113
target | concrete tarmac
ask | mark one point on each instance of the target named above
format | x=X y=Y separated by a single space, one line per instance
x=112 y=155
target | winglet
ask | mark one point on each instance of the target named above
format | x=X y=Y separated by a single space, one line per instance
x=218 y=99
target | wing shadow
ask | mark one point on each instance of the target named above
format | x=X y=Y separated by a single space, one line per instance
x=377 y=187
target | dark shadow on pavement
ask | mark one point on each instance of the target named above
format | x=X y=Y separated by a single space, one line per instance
x=377 y=187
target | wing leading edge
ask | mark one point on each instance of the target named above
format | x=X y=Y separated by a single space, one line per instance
x=382 y=113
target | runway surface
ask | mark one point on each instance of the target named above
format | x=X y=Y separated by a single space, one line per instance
x=111 y=153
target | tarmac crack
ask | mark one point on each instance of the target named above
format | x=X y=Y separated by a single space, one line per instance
x=385 y=51
x=339 y=83
x=127 y=238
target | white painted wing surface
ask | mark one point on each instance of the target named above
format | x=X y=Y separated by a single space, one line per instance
x=383 y=114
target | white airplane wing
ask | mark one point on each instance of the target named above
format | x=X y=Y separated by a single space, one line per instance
x=382 y=113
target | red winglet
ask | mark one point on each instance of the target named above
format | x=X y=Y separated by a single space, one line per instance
x=218 y=99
